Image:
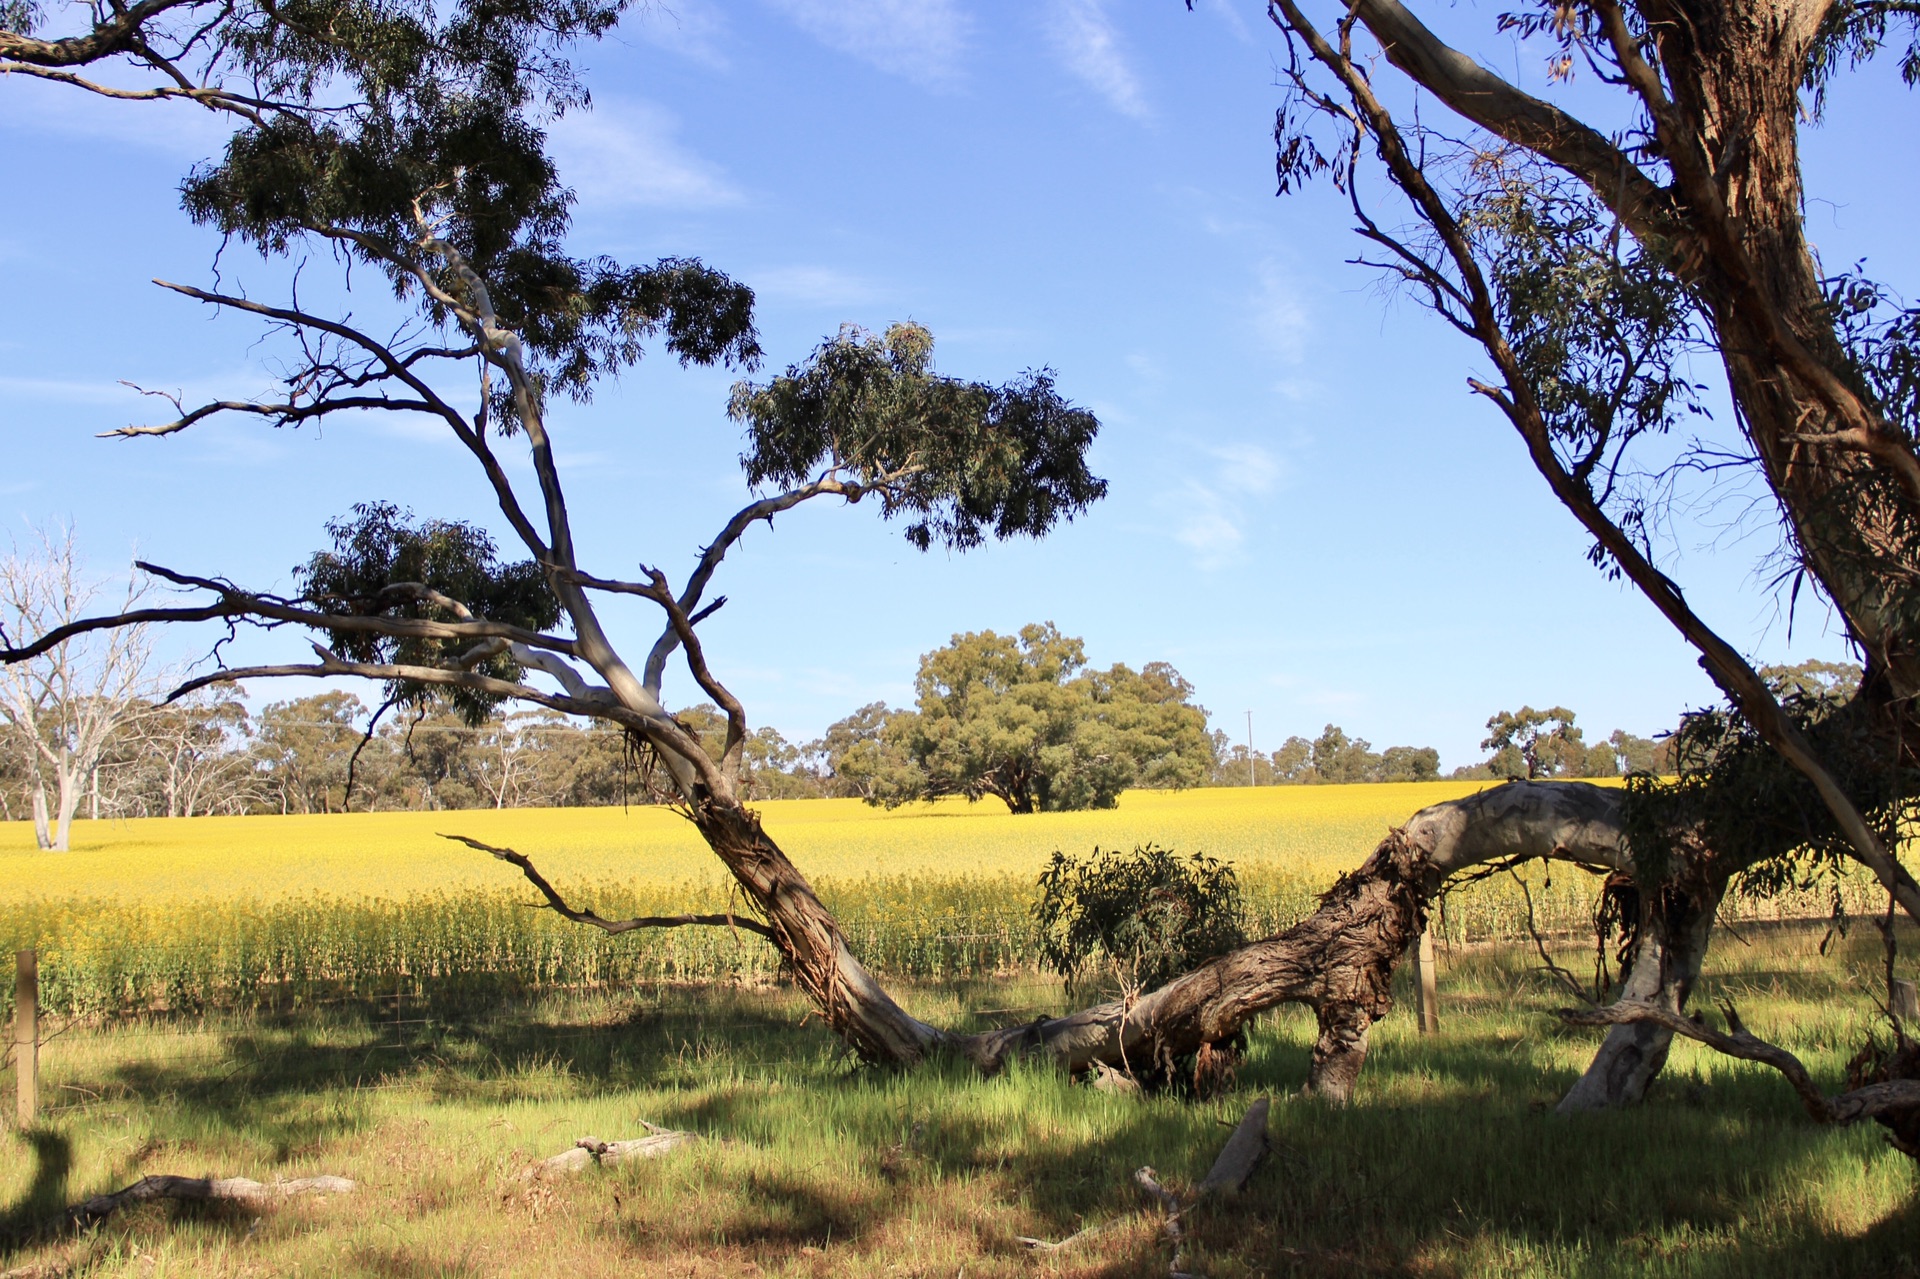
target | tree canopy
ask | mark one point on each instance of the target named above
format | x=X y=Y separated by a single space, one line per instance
x=1022 y=718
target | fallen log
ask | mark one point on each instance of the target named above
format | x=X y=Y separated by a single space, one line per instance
x=589 y=1151
x=240 y=1189
x=1232 y=1168
x=1242 y=1153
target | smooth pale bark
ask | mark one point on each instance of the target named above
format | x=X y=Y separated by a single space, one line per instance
x=42 y=837
x=1674 y=935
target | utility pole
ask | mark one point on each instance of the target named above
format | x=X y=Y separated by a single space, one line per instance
x=1252 y=779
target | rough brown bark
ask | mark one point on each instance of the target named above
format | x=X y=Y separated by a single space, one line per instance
x=808 y=937
x=1338 y=961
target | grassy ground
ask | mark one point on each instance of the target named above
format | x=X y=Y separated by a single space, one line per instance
x=1450 y=1163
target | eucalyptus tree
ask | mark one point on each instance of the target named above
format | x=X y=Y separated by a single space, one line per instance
x=65 y=704
x=1589 y=257
x=408 y=142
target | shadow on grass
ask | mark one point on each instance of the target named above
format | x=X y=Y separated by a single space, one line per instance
x=1450 y=1163
x=41 y=1208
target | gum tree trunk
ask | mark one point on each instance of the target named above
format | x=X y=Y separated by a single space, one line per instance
x=1339 y=961
x=1675 y=928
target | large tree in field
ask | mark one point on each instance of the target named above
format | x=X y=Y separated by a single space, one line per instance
x=1022 y=718
x=406 y=141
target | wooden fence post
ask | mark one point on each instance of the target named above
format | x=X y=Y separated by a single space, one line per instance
x=1424 y=984
x=26 y=1034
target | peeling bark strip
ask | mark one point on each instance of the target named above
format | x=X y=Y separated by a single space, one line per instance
x=239 y=1189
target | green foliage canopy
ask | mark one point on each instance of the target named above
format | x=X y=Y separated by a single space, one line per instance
x=1148 y=915
x=962 y=458
x=1020 y=718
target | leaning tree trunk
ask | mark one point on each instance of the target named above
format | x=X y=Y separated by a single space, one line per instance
x=853 y=1004
x=1674 y=928
x=1339 y=961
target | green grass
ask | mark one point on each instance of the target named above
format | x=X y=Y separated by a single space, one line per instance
x=1450 y=1162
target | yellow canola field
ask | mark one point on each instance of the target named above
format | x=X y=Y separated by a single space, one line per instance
x=1299 y=832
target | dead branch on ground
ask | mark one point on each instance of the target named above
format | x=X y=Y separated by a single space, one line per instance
x=238 y=1189
x=589 y=1151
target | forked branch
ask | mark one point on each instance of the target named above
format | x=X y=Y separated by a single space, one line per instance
x=588 y=917
x=1869 y=1102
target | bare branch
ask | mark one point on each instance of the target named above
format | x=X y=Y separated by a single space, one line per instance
x=697 y=663
x=1869 y=1102
x=560 y=907
x=398 y=368
x=716 y=551
x=283 y=414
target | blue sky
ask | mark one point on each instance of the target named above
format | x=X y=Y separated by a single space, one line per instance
x=1309 y=515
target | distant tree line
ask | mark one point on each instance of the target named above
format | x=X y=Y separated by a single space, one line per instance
x=1021 y=718
x=1526 y=743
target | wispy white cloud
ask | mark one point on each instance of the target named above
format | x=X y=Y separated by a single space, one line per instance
x=68 y=390
x=694 y=29
x=624 y=154
x=1212 y=512
x=921 y=40
x=1228 y=14
x=181 y=129
x=816 y=286
x=1279 y=314
x=1086 y=41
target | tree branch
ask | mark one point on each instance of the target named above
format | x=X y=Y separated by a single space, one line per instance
x=1851 y=1107
x=284 y=414
x=116 y=35
x=710 y=557
x=398 y=368
x=1498 y=107
x=560 y=907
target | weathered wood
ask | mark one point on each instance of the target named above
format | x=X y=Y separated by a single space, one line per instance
x=1242 y=1153
x=1425 y=984
x=589 y=1151
x=1875 y=1101
x=26 y=1036
x=1339 y=961
x=1231 y=1169
x=1903 y=1001
x=1107 y=1079
x=239 y=1189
